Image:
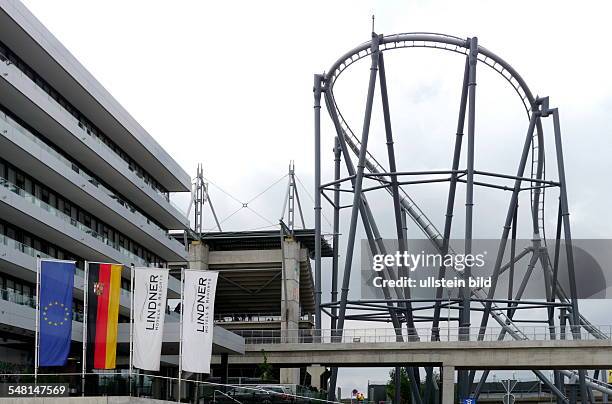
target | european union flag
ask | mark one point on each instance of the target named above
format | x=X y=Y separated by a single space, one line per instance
x=55 y=312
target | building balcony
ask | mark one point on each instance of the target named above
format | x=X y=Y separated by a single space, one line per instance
x=19 y=261
x=27 y=100
x=18 y=317
x=27 y=211
x=25 y=150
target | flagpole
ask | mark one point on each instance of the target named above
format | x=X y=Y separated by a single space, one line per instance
x=85 y=309
x=180 y=361
x=36 y=347
x=131 y=324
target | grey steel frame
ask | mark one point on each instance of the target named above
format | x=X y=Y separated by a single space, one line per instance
x=401 y=309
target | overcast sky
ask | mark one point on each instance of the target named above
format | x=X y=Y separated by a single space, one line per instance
x=229 y=85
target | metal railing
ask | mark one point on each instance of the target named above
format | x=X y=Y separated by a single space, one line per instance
x=405 y=335
x=17 y=297
x=23 y=248
x=253 y=317
x=133 y=258
x=32 y=252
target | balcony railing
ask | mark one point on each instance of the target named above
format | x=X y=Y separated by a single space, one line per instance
x=252 y=317
x=25 y=249
x=405 y=335
x=15 y=70
x=19 y=298
x=15 y=125
x=32 y=252
x=133 y=258
x=16 y=297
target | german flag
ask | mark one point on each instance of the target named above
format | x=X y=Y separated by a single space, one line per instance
x=104 y=283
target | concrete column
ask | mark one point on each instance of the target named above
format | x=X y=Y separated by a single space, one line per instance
x=315 y=372
x=198 y=255
x=448 y=385
x=290 y=302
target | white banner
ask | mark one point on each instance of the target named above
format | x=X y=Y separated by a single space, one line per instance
x=150 y=290
x=198 y=320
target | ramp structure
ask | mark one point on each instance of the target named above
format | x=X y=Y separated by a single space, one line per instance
x=367 y=174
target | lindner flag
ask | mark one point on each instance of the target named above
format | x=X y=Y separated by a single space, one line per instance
x=150 y=289
x=104 y=284
x=198 y=322
x=55 y=312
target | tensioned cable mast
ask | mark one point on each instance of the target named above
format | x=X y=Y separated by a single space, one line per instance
x=200 y=197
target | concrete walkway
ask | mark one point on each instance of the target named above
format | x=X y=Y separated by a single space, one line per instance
x=449 y=356
x=569 y=354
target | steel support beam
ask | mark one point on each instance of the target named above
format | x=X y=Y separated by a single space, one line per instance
x=465 y=317
x=450 y=204
x=318 y=83
x=336 y=230
x=568 y=239
x=507 y=225
x=356 y=198
x=377 y=246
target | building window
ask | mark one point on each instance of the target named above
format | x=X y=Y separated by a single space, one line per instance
x=83 y=121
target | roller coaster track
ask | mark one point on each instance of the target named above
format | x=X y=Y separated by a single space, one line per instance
x=490 y=59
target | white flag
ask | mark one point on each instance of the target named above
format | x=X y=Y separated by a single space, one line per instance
x=150 y=290
x=198 y=322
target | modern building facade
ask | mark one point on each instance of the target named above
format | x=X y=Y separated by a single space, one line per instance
x=80 y=180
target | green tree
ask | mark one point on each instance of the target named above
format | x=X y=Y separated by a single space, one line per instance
x=405 y=391
x=265 y=369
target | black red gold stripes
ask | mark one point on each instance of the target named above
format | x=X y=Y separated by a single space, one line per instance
x=104 y=286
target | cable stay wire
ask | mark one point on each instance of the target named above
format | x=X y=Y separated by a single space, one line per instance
x=223 y=191
x=245 y=205
x=223 y=221
x=267 y=189
x=312 y=200
x=261 y=216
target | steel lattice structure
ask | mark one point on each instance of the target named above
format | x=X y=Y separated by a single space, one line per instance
x=405 y=312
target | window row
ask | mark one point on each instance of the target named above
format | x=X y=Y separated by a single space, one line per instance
x=29 y=240
x=15 y=176
x=24 y=293
x=7 y=55
x=74 y=165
